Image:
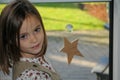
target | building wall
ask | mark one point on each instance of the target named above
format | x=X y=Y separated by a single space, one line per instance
x=98 y=10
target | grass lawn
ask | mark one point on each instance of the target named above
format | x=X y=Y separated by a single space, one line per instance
x=57 y=15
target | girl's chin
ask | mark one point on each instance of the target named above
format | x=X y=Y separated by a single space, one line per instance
x=31 y=55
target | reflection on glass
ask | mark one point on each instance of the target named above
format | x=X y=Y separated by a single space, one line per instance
x=88 y=22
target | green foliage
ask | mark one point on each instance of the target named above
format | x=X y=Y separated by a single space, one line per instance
x=57 y=15
x=1 y=7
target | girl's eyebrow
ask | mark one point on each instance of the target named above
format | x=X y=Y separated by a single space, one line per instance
x=23 y=33
x=38 y=26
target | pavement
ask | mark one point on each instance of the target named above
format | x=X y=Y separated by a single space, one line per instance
x=92 y=44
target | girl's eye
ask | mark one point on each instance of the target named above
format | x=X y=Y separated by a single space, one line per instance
x=37 y=30
x=23 y=36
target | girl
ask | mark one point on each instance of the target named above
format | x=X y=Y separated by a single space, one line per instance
x=23 y=43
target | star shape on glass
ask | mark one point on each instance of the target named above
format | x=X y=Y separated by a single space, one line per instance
x=71 y=49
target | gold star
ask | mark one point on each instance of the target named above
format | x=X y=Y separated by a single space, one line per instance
x=71 y=49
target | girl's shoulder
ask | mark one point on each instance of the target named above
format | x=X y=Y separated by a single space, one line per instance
x=26 y=66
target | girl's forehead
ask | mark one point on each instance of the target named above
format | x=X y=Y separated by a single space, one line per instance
x=30 y=23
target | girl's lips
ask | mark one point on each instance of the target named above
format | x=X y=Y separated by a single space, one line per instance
x=36 y=46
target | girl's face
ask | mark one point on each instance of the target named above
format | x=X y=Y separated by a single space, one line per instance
x=31 y=37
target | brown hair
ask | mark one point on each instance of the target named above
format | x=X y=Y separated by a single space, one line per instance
x=11 y=19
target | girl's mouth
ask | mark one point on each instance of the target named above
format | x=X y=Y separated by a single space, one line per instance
x=36 y=46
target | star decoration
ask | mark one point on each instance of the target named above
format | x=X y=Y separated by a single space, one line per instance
x=71 y=49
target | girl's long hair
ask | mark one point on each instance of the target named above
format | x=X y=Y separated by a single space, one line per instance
x=11 y=19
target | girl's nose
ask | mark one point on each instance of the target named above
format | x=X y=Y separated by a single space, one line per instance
x=33 y=38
